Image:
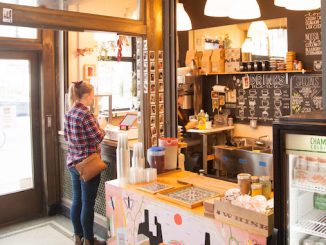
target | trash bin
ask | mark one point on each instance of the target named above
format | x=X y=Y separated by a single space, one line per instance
x=194 y=162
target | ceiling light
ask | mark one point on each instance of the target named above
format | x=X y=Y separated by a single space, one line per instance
x=302 y=4
x=279 y=3
x=258 y=29
x=183 y=20
x=244 y=9
x=247 y=46
x=217 y=8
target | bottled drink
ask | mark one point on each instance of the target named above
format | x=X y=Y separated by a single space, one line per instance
x=201 y=120
x=206 y=117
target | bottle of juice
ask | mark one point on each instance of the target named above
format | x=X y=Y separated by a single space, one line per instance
x=201 y=120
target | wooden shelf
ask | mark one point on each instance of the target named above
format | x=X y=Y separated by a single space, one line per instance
x=252 y=72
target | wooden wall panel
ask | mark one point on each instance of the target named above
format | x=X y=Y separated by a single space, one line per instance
x=74 y=21
x=51 y=169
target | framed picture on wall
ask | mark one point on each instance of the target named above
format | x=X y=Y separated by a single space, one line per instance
x=89 y=71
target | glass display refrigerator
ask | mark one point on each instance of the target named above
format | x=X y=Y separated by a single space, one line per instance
x=299 y=151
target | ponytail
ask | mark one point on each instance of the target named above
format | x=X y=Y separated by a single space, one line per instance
x=77 y=91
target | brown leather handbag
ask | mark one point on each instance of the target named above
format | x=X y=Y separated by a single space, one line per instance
x=90 y=167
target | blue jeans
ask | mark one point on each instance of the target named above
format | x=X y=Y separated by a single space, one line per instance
x=83 y=202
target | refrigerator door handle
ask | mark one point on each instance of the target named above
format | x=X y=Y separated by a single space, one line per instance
x=275 y=238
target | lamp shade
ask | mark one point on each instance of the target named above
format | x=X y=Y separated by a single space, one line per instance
x=244 y=9
x=258 y=29
x=247 y=46
x=183 y=20
x=217 y=8
x=302 y=4
x=279 y=3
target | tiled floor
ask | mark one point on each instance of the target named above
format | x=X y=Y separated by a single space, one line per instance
x=52 y=230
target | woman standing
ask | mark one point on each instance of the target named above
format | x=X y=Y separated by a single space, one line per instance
x=84 y=135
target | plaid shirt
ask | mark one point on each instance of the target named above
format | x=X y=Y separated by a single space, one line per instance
x=82 y=132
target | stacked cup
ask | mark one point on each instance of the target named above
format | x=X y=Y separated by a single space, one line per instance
x=136 y=173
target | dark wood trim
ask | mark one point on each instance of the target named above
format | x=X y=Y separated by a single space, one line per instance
x=323 y=31
x=67 y=20
x=154 y=23
x=6 y=44
x=169 y=30
x=66 y=61
x=49 y=102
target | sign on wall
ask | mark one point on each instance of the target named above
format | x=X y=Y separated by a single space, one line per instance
x=306 y=93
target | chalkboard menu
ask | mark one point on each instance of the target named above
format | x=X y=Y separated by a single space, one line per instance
x=312 y=38
x=267 y=99
x=306 y=93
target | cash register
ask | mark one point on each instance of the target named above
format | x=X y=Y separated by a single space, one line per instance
x=127 y=125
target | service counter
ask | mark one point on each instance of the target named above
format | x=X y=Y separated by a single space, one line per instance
x=137 y=217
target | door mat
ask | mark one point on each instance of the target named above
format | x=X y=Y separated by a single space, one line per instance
x=48 y=233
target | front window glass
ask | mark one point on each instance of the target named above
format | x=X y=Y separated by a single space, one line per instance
x=129 y=9
x=108 y=61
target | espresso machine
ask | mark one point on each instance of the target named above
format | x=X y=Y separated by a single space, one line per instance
x=186 y=82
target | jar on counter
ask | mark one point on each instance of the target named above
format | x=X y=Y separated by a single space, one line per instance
x=266 y=186
x=258 y=65
x=265 y=65
x=256 y=189
x=244 y=182
x=251 y=66
x=254 y=179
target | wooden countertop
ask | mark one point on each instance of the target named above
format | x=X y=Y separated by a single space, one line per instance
x=112 y=142
x=171 y=178
x=211 y=130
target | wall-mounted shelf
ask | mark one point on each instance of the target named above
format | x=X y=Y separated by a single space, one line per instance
x=252 y=72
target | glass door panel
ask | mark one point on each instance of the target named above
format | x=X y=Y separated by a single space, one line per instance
x=20 y=141
x=306 y=155
x=15 y=127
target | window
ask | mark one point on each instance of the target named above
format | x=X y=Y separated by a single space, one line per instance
x=113 y=76
x=116 y=78
x=129 y=9
x=18 y=32
x=275 y=45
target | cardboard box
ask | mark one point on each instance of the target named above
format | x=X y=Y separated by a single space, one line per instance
x=198 y=57
x=218 y=60
x=190 y=55
x=245 y=219
x=232 y=59
x=206 y=64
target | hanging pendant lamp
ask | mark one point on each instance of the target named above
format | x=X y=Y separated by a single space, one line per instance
x=279 y=3
x=183 y=20
x=302 y=5
x=244 y=9
x=258 y=29
x=247 y=46
x=217 y=8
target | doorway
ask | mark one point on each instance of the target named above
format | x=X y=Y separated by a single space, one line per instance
x=20 y=137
